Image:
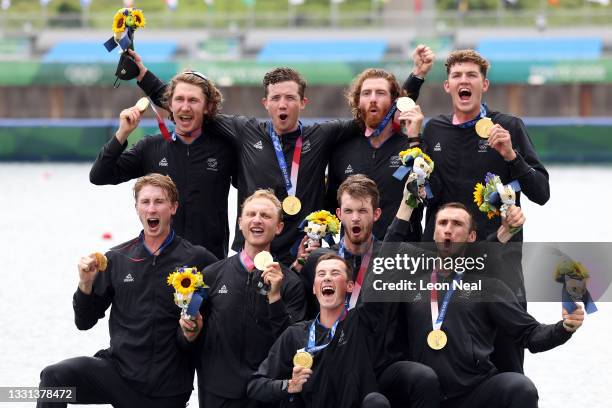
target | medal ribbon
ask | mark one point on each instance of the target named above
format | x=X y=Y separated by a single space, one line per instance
x=360 y=274
x=437 y=319
x=246 y=261
x=161 y=124
x=312 y=348
x=383 y=124
x=290 y=183
x=472 y=123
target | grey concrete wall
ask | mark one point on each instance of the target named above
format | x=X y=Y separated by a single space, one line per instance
x=106 y=102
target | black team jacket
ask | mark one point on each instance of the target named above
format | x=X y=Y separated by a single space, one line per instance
x=202 y=172
x=240 y=325
x=145 y=343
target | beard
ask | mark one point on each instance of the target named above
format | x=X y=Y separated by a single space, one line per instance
x=371 y=120
x=364 y=236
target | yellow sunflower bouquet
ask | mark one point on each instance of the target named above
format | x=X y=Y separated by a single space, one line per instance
x=484 y=194
x=494 y=198
x=189 y=289
x=572 y=269
x=125 y=22
x=321 y=225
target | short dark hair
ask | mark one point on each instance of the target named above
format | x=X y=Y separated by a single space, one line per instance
x=459 y=56
x=359 y=186
x=455 y=204
x=334 y=256
x=284 y=74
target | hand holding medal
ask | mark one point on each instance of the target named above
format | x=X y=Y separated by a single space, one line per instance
x=89 y=266
x=410 y=116
x=303 y=359
x=299 y=376
x=129 y=119
x=499 y=138
x=262 y=260
x=483 y=127
x=271 y=278
x=142 y=104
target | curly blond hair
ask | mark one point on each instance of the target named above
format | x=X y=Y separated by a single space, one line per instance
x=214 y=98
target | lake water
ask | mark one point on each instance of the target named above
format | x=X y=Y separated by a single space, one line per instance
x=52 y=215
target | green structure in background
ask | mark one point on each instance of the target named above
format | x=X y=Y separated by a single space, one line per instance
x=249 y=72
x=555 y=142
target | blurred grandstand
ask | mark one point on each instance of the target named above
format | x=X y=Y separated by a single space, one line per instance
x=550 y=58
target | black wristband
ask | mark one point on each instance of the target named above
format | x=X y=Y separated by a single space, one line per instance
x=515 y=160
x=415 y=139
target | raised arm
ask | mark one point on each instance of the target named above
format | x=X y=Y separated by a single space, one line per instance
x=422 y=58
x=114 y=164
x=89 y=305
x=152 y=86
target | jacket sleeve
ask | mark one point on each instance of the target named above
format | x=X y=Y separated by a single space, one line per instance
x=114 y=165
x=291 y=307
x=524 y=328
x=338 y=130
x=435 y=182
x=527 y=168
x=294 y=297
x=154 y=88
x=88 y=309
x=402 y=231
x=265 y=383
x=412 y=86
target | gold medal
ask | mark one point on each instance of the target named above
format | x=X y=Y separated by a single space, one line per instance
x=101 y=260
x=292 y=205
x=142 y=104
x=483 y=126
x=404 y=104
x=263 y=259
x=302 y=359
x=436 y=339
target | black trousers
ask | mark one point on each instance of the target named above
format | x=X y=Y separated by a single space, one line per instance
x=410 y=384
x=375 y=400
x=98 y=382
x=505 y=390
x=209 y=400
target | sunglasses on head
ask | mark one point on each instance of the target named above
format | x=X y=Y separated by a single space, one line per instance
x=198 y=74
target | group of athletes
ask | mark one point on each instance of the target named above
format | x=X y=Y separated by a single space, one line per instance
x=311 y=337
